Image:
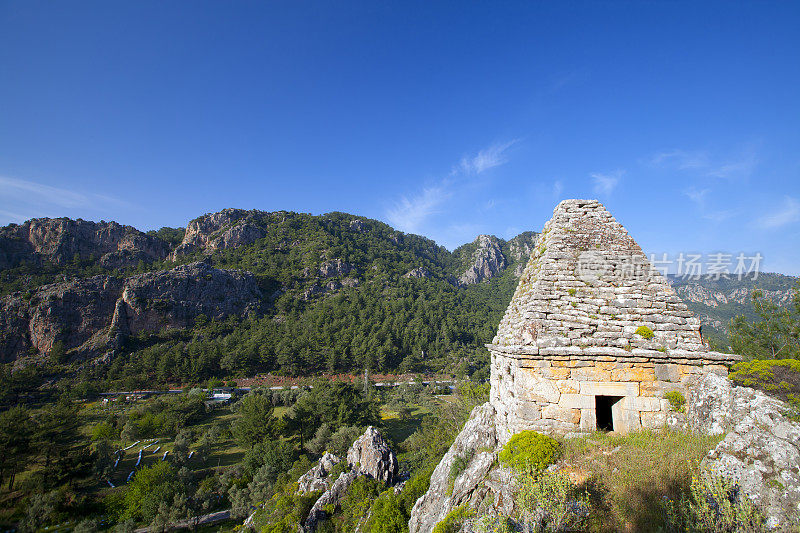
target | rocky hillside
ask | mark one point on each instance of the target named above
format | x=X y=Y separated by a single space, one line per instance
x=330 y=292
x=90 y=316
x=62 y=240
x=716 y=302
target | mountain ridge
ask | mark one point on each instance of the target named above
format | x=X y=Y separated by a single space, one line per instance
x=419 y=297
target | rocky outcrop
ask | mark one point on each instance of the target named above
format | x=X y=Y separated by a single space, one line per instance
x=317 y=479
x=419 y=272
x=487 y=261
x=87 y=315
x=61 y=240
x=761 y=448
x=330 y=497
x=520 y=249
x=72 y=313
x=333 y=268
x=174 y=298
x=370 y=455
x=218 y=231
x=479 y=484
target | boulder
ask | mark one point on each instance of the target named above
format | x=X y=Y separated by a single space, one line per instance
x=370 y=455
x=761 y=448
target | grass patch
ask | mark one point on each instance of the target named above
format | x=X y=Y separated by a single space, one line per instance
x=628 y=476
x=396 y=429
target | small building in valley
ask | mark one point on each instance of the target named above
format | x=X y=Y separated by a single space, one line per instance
x=594 y=337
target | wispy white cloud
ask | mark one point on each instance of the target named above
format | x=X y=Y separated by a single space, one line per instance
x=410 y=213
x=744 y=166
x=787 y=214
x=741 y=165
x=558 y=188
x=493 y=156
x=605 y=183
x=681 y=159
x=697 y=196
x=32 y=191
x=568 y=78
x=24 y=199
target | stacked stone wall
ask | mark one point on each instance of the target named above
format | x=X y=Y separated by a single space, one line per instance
x=557 y=394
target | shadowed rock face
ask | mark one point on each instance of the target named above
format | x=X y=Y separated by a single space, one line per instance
x=87 y=315
x=487 y=261
x=481 y=479
x=60 y=240
x=71 y=312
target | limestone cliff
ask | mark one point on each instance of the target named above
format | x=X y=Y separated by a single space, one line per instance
x=61 y=240
x=87 y=314
x=218 y=231
x=487 y=260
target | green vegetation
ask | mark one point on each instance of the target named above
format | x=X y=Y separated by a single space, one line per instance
x=777 y=377
x=714 y=504
x=676 y=400
x=775 y=332
x=628 y=478
x=645 y=332
x=454 y=520
x=529 y=451
x=554 y=500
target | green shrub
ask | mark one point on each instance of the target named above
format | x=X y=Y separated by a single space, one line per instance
x=460 y=463
x=572 y=292
x=676 y=400
x=554 y=501
x=454 y=520
x=645 y=332
x=529 y=451
x=714 y=504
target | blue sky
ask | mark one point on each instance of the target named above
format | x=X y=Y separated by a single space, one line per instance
x=443 y=119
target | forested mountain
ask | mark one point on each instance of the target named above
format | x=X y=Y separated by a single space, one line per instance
x=240 y=292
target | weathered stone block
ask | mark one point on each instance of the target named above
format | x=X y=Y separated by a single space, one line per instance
x=610 y=388
x=527 y=410
x=668 y=372
x=588 y=420
x=590 y=374
x=562 y=414
x=633 y=374
x=642 y=403
x=531 y=386
x=576 y=401
x=568 y=386
x=556 y=373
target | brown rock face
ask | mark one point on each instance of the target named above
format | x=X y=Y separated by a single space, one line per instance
x=87 y=314
x=60 y=240
x=217 y=231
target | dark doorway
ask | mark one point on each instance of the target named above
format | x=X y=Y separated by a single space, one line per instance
x=603 y=411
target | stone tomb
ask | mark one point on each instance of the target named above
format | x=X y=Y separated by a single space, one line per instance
x=594 y=337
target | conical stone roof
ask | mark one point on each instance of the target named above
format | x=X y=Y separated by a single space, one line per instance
x=588 y=289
